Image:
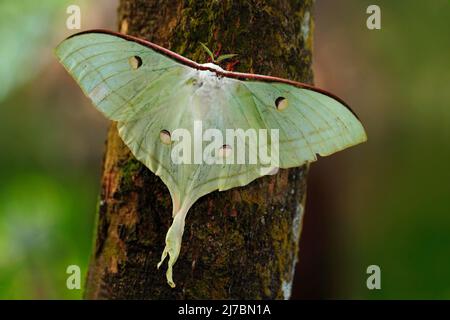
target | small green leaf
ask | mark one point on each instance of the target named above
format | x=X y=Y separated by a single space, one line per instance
x=226 y=56
x=208 y=51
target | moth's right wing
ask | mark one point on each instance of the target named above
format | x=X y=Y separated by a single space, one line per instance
x=124 y=79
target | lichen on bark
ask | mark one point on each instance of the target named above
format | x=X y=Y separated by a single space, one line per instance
x=240 y=243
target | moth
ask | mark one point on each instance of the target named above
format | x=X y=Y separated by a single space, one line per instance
x=153 y=93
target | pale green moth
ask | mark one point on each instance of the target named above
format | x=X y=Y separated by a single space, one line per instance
x=151 y=92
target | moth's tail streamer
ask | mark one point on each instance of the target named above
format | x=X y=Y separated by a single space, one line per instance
x=173 y=243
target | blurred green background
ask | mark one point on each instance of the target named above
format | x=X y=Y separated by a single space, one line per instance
x=385 y=202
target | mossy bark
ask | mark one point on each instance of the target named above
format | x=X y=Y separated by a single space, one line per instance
x=238 y=244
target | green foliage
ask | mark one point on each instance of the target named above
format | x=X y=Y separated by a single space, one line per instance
x=24 y=29
x=208 y=51
x=398 y=202
x=48 y=188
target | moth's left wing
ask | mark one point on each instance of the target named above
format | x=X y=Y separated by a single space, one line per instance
x=310 y=121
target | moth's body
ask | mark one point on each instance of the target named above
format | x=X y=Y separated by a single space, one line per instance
x=209 y=90
x=208 y=79
x=151 y=91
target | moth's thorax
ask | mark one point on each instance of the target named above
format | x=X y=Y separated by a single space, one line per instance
x=213 y=66
x=205 y=81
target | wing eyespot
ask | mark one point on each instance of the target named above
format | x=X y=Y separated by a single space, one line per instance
x=281 y=103
x=135 y=62
x=164 y=136
x=225 y=151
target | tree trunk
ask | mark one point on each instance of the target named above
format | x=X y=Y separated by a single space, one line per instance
x=238 y=244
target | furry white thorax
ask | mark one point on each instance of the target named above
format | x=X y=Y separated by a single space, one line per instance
x=206 y=80
x=213 y=66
